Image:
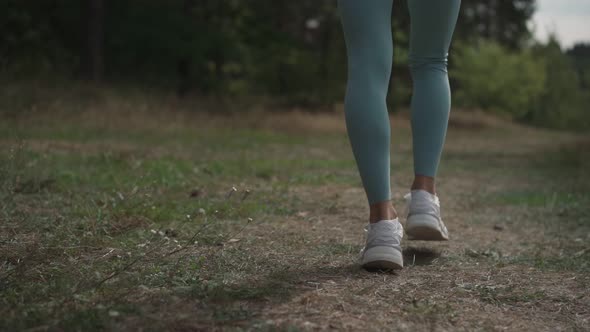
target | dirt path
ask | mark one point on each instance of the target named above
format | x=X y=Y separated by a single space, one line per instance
x=515 y=201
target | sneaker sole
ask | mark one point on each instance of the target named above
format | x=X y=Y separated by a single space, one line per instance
x=382 y=258
x=424 y=227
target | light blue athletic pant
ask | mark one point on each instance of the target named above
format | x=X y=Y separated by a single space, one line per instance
x=367 y=32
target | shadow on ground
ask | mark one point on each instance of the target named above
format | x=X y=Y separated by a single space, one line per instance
x=420 y=256
x=286 y=281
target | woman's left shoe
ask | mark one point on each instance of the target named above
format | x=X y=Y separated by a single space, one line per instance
x=382 y=250
x=424 y=221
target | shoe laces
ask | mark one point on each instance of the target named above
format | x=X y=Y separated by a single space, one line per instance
x=387 y=234
x=429 y=205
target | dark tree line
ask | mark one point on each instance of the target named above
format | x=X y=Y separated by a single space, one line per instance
x=203 y=44
x=282 y=49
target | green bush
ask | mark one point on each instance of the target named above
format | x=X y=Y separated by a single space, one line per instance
x=491 y=78
x=563 y=102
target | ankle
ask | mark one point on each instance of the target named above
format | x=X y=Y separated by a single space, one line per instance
x=382 y=211
x=422 y=182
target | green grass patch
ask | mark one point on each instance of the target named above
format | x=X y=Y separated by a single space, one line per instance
x=574 y=261
x=544 y=199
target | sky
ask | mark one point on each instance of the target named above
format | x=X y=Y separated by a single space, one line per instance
x=569 y=18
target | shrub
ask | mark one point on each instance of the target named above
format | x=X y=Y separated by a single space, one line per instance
x=493 y=79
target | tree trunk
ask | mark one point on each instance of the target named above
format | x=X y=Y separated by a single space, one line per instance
x=184 y=64
x=95 y=38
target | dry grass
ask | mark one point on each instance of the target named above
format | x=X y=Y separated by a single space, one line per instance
x=125 y=219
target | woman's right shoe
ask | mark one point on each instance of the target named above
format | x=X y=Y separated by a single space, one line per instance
x=382 y=250
x=424 y=221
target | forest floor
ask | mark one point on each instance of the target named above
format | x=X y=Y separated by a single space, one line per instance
x=126 y=219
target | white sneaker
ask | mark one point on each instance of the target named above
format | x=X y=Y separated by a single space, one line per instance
x=383 y=246
x=424 y=221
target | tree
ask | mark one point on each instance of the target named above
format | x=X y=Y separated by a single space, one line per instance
x=580 y=55
x=503 y=21
x=95 y=40
x=562 y=103
x=495 y=79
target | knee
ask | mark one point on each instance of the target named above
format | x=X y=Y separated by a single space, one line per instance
x=370 y=68
x=420 y=65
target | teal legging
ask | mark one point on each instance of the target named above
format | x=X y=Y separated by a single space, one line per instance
x=367 y=31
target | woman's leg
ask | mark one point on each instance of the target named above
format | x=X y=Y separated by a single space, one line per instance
x=432 y=26
x=367 y=31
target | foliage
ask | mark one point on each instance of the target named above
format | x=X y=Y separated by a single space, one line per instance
x=580 y=55
x=502 y=21
x=38 y=36
x=497 y=80
x=563 y=102
x=286 y=51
